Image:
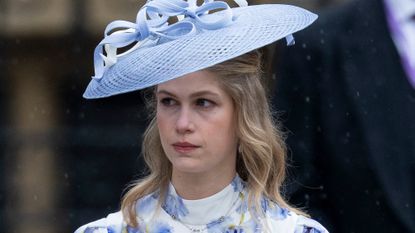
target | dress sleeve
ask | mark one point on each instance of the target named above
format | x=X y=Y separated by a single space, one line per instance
x=113 y=223
x=307 y=225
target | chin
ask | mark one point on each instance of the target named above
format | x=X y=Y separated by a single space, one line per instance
x=188 y=167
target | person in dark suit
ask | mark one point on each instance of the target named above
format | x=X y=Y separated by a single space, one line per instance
x=348 y=103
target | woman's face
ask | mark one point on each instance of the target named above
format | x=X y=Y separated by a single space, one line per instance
x=196 y=121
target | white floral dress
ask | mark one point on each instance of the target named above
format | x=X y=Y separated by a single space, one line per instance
x=224 y=212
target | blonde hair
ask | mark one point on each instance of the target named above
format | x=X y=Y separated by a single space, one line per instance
x=261 y=160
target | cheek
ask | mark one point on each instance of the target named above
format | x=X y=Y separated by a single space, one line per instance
x=162 y=125
x=224 y=130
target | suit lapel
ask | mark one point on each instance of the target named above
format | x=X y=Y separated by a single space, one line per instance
x=375 y=81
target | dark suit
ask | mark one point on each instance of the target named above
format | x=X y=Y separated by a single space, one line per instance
x=350 y=112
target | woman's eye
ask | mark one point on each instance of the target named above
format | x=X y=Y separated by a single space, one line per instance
x=167 y=101
x=204 y=103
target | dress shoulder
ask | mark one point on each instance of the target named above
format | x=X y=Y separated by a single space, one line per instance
x=307 y=225
x=113 y=223
x=284 y=220
x=289 y=222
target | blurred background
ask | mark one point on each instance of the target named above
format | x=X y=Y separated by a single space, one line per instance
x=64 y=160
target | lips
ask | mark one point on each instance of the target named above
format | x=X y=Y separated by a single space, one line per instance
x=184 y=147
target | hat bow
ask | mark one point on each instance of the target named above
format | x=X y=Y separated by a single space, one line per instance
x=152 y=24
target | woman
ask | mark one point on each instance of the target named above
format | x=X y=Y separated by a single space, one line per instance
x=216 y=160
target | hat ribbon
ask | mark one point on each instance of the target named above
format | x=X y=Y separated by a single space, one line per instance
x=152 y=24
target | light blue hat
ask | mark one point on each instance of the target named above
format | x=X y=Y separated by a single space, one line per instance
x=159 y=51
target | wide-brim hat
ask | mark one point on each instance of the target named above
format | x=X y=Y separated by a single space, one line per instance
x=199 y=40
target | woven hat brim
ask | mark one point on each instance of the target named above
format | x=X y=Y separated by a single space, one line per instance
x=254 y=27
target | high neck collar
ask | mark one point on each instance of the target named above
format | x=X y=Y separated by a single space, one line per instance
x=202 y=211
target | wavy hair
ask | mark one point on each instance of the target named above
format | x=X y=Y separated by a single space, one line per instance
x=261 y=159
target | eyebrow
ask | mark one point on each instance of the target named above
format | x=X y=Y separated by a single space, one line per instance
x=193 y=95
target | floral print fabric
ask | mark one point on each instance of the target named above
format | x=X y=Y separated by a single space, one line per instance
x=224 y=212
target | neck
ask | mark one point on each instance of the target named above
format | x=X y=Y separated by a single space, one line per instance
x=192 y=186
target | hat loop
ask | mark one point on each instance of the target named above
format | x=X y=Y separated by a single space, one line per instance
x=152 y=21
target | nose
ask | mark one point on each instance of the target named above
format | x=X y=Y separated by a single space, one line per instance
x=184 y=123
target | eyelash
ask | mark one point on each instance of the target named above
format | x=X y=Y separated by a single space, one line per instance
x=167 y=101
x=209 y=103
x=201 y=102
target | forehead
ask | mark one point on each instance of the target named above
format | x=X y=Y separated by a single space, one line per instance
x=196 y=81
